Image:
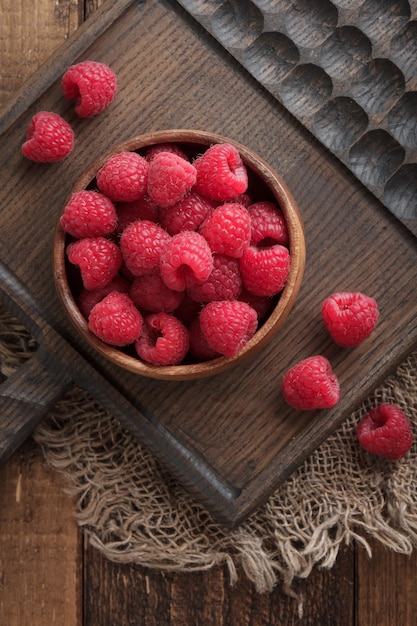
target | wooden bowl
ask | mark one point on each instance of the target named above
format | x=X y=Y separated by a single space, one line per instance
x=264 y=183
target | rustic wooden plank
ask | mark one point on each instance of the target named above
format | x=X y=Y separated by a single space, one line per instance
x=40 y=556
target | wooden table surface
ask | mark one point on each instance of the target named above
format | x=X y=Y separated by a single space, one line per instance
x=48 y=573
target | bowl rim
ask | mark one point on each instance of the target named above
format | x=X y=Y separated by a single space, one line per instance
x=277 y=317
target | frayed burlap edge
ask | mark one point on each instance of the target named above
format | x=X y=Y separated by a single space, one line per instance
x=134 y=512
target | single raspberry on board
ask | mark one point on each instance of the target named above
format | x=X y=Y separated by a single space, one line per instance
x=91 y=84
x=164 y=340
x=49 y=138
x=152 y=151
x=350 y=317
x=151 y=294
x=186 y=260
x=170 y=178
x=89 y=214
x=224 y=282
x=265 y=271
x=311 y=384
x=89 y=298
x=98 y=259
x=187 y=214
x=199 y=347
x=221 y=173
x=142 y=243
x=123 y=177
x=227 y=325
x=228 y=229
x=268 y=225
x=386 y=431
x=142 y=209
x=116 y=320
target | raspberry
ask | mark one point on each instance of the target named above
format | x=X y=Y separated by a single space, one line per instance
x=221 y=173
x=164 y=340
x=142 y=243
x=350 y=317
x=311 y=384
x=123 y=177
x=170 y=178
x=89 y=214
x=98 y=259
x=91 y=84
x=265 y=271
x=151 y=294
x=115 y=320
x=228 y=230
x=268 y=225
x=199 y=348
x=142 y=209
x=152 y=151
x=187 y=214
x=224 y=282
x=227 y=325
x=49 y=138
x=89 y=298
x=185 y=261
x=385 y=431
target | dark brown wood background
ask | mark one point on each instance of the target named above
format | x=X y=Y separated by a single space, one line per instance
x=48 y=573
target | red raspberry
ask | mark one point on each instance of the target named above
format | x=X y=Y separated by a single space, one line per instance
x=185 y=261
x=142 y=209
x=91 y=84
x=187 y=214
x=124 y=177
x=268 y=225
x=151 y=294
x=261 y=304
x=115 y=320
x=199 y=348
x=142 y=243
x=228 y=230
x=98 y=259
x=265 y=271
x=170 y=178
x=385 y=431
x=89 y=214
x=49 y=138
x=164 y=340
x=311 y=384
x=228 y=325
x=152 y=151
x=221 y=173
x=89 y=298
x=350 y=317
x=224 y=282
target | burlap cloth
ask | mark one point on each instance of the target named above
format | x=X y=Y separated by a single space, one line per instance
x=133 y=511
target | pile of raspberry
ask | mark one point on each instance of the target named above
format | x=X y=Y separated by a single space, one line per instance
x=178 y=261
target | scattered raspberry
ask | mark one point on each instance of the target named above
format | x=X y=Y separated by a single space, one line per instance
x=124 y=177
x=89 y=214
x=164 y=340
x=49 y=138
x=221 y=173
x=228 y=325
x=141 y=244
x=150 y=293
x=115 y=320
x=311 y=384
x=268 y=225
x=91 y=84
x=265 y=271
x=98 y=259
x=261 y=304
x=142 y=209
x=224 y=282
x=385 y=431
x=89 y=298
x=187 y=214
x=228 y=229
x=186 y=260
x=350 y=317
x=170 y=178
x=199 y=347
x=152 y=151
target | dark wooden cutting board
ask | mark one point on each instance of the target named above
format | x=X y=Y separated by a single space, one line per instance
x=231 y=439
